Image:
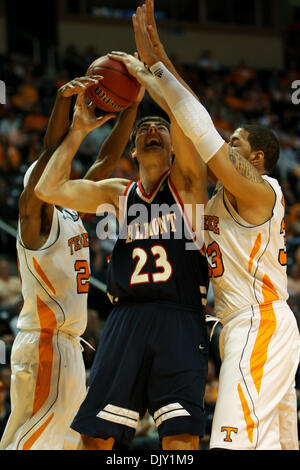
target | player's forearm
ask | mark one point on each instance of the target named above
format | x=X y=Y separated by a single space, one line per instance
x=58 y=123
x=192 y=117
x=114 y=146
x=149 y=82
x=58 y=169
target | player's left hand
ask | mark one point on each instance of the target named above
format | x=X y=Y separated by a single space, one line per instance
x=134 y=67
x=78 y=85
x=84 y=118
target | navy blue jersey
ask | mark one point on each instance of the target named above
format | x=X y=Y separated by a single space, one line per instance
x=152 y=259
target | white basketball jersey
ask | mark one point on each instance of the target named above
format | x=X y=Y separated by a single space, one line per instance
x=55 y=278
x=247 y=263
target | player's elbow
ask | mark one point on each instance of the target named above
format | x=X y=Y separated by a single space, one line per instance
x=44 y=194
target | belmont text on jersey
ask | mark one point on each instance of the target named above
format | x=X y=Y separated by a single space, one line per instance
x=152 y=259
x=164 y=225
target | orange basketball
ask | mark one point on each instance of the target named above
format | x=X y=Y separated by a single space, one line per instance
x=117 y=90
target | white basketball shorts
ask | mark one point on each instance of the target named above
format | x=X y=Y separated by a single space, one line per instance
x=47 y=388
x=256 y=406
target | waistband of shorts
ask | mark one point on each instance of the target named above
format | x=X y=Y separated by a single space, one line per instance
x=52 y=332
x=252 y=309
x=57 y=332
x=161 y=303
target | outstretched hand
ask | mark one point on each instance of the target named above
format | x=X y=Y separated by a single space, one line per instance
x=144 y=37
x=152 y=29
x=84 y=118
x=78 y=85
x=134 y=67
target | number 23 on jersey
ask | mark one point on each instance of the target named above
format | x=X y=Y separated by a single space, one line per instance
x=162 y=264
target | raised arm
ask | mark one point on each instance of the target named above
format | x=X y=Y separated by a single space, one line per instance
x=55 y=186
x=157 y=45
x=31 y=208
x=114 y=145
x=238 y=176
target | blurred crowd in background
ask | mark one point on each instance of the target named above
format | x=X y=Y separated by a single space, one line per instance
x=233 y=97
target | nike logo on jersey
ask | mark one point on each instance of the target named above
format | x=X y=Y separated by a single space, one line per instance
x=78 y=242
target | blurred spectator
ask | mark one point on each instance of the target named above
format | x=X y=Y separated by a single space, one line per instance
x=4 y=408
x=294 y=280
x=243 y=74
x=73 y=61
x=10 y=286
x=10 y=156
x=5 y=378
x=27 y=94
x=232 y=100
x=288 y=159
x=294 y=219
x=10 y=124
x=207 y=62
x=35 y=120
x=32 y=148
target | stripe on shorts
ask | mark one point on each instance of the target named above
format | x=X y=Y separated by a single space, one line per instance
x=173 y=410
x=120 y=415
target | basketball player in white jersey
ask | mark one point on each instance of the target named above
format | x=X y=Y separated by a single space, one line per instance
x=48 y=374
x=245 y=242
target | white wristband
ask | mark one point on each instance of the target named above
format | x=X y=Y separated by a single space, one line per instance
x=192 y=117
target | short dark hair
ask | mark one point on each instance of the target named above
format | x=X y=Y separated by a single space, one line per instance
x=141 y=122
x=262 y=138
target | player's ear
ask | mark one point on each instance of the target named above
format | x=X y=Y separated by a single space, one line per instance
x=257 y=159
x=134 y=157
x=133 y=152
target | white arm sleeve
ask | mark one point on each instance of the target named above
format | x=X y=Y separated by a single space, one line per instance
x=191 y=116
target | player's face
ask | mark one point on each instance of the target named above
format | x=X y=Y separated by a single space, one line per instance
x=239 y=141
x=153 y=138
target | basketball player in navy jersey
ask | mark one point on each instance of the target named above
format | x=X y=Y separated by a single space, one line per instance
x=153 y=351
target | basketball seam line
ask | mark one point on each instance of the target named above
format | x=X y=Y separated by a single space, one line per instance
x=132 y=79
x=114 y=93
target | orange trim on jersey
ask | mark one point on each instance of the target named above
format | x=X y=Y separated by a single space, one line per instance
x=249 y=421
x=29 y=443
x=254 y=251
x=41 y=273
x=266 y=330
x=48 y=324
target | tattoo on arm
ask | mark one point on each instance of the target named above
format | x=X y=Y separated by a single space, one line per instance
x=244 y=167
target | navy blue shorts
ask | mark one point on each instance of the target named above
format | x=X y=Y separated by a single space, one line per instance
x=151 y=356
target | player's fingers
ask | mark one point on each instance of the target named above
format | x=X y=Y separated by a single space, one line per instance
x=76 y=83
x=103 y=119
x=151 y=19
x=91 y=80
x=150 y=12
x=80 y=99
x=92 y=106
x=117 y=57
x=152 y=35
